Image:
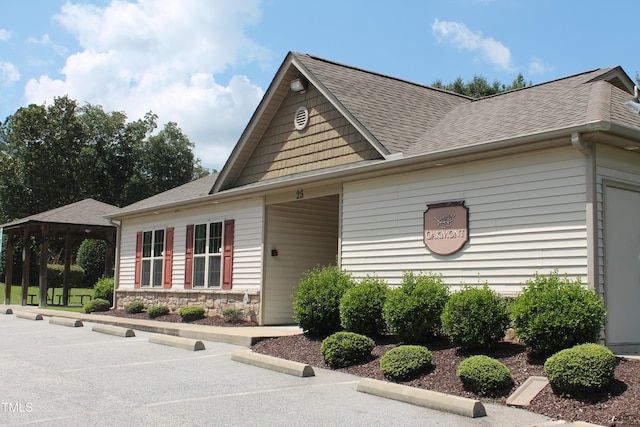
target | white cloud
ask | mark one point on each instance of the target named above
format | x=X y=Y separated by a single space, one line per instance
x=45 y=40
x=4 y=34
x=460 y=36
x=162 y=56
x=8 y=74
x=538 y=66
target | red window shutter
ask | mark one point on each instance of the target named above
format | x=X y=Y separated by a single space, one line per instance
x=188 y=258
x=136 y=280
x=227 y=265
x=168 y=257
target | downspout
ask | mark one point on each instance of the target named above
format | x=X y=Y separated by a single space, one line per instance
x=116 y=266
x=590 y=208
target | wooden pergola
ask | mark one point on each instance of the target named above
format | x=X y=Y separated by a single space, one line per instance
x=75 y=222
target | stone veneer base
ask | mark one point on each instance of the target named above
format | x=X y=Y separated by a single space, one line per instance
x=214 y=301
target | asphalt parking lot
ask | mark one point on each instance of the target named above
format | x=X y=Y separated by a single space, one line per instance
x=53 y=375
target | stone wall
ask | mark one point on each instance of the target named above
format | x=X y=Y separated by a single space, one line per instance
x=214 y=301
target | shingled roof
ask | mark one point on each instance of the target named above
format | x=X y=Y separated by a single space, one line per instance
x=87 y=212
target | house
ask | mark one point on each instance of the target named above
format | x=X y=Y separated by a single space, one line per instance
x=385 y=176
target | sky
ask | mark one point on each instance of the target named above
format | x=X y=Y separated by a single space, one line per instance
x=206 y=64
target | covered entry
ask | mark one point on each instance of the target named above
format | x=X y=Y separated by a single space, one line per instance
x=622 y=266
x=300 y=235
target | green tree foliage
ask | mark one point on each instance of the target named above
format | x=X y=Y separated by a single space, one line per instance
x=479 y=87
x=53 y=155
x=91 y=257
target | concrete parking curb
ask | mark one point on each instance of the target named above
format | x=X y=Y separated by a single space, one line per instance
x=66 y=321
x=28 y=315
x=273 y=363
x=427 y=398
x=114 y=330
x=179 y=342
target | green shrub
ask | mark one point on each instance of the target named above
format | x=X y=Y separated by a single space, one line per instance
x=97 y=304
x=405 y=362
x=316 y=302
x=484 y=376
x=134 y=307
x=580 y=370
x=55 y=275
x=553 y=313
x=104 y=289
x=413 y=309
x=157 y=311
x=91 y=256
x=189 y=314
x=361 y=307
x=475 y=317
x=346 y=348
x=232 y=315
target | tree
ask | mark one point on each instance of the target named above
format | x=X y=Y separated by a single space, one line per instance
x=53 y=155
x=479 y=87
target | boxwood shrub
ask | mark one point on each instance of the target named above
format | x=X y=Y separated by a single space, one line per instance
x=413 y=309
x=346 y=348
x=104 y=289
x=189 y=314
x=475 y=317
x=361 y=307
x=484 y=375
x=581 y=370
x=157 y=311
x=97 y=304
x=134 y=307
x=553 y=313
x=405 y=362
x=316 y=302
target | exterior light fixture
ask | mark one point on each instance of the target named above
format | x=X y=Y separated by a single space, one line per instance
x=299 y=85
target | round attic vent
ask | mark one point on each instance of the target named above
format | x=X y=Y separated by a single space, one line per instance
x=301 y=118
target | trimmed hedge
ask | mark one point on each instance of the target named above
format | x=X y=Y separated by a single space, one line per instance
x=580 y=371
x=134 y=307
x=553 y=313
x=316 y=302
x=346 y=348
x=55 y=275
x=97 y=304
x=413 y=309
x=475 y=317
x=361 y=307
x=157 y=311
x=484 y=375
x=189 y=314
x=405 y=362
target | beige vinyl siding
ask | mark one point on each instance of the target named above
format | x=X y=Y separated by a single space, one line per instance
x=328 y=140
x=247 y=241
x=616 y=165
x=526 y=214
x=305 y=234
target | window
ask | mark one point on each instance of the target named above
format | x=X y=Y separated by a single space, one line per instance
x=152 y=258
x=207 y=255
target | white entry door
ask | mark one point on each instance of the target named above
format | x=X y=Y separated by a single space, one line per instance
x=622 y=267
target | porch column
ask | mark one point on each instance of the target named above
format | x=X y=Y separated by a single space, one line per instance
x=67 y=267
x=26 y=260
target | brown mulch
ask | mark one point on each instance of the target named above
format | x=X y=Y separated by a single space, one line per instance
x=175 y=317
x=618 y=406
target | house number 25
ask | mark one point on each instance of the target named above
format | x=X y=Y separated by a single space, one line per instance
x=299 y=194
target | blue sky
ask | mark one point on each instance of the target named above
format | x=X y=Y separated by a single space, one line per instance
x=205 y=64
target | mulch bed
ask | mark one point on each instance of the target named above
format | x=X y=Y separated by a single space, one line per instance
x=175 y=317
x=619 y=405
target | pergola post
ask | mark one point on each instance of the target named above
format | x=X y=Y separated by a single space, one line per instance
x=8 y=272
x=67 y=267
x=26 y=260
x=44 y=257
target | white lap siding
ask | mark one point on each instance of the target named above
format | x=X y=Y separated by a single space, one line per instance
x=526 y=215
x=247 y=250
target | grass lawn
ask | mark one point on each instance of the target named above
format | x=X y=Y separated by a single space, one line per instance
x=35 y=290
